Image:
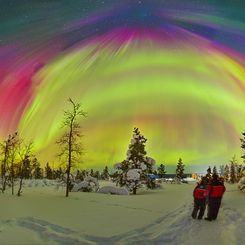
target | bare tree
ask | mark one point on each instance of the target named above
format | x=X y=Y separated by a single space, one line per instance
x=12 y=154
x=9 y=151
x=70 y=142
x=25 y=151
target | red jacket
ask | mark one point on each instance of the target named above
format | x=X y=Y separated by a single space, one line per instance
x=216 y=191
x=200 y=192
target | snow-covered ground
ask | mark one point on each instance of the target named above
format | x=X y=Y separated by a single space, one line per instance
x=44 y=216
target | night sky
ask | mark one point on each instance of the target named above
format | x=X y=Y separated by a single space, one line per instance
x=175 y=69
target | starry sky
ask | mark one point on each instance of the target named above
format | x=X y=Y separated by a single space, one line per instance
x=175 y=69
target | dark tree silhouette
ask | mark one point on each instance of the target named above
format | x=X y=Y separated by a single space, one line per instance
x=69 y=142
x=25 y=151
x=209 y=173
x=105 y=173
x=215 y=170
x=9 y=149
x=180 y=169
x=161 y=171
x=233 y=165
x=48 y=171
x=37 y=171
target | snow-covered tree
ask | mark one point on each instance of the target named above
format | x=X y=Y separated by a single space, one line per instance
x=239 y=171
x=243 y=145
x=180 y=169
x=226 y=173
x=233 y=164
x=222 y=170
x=133 y=171
x=161 y=171
x=241 y=184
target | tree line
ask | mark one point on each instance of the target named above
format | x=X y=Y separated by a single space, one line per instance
x=19 y=162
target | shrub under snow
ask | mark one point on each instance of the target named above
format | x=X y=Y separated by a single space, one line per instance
x=39 y=182
x=89 y=184
x=113 y=190
x=241 y=184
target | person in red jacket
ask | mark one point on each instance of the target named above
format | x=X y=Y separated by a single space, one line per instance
x=216 y=190
x=200 y=194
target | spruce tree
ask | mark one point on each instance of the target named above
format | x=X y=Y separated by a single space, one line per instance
x=209 y=172
x=239 y=172
x=137 y=166
x=215 y=170
x=222 y=170
x=243 y=145
x=97 y=174
x=92 y=173
x=25 y=151
x=180 y=169
x=48 y=171
x=233 y=164
x=105 y=174
x=226 y=173
x=161 y=171
x=37 y=170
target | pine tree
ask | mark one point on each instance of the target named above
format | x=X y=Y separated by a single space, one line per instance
x=57 y=173
x=180 y=169
x=96 y=174
x=226 y=173
x=233 y=164
x=215 y=170
x=27 y=168
x=243 y=145
x=222 y=170
x=105 y=174
x=92 y=173
x=208 y=175
x=161 y=171
x=137 y=166
x=37 y=171
x=239 y=172
x=25 y=151
x=48 y=171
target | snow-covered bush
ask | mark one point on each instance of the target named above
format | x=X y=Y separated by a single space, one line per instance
x=39 y=182
x=113 y=190
x=241 y=184
x=89 y=184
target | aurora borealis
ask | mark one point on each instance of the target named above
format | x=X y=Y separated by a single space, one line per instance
x=175 y=69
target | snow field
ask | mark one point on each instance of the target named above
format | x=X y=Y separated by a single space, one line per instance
x=44 y=216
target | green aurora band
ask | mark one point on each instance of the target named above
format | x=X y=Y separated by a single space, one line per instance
x=187 y=99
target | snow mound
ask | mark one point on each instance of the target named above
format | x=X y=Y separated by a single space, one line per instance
x=113 y=190
x=89 y=184
x=189 y=179
x=39 y=182
x=241 y=184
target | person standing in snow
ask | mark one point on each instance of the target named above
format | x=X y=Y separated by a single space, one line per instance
x=216 y=190
x=200 y=194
